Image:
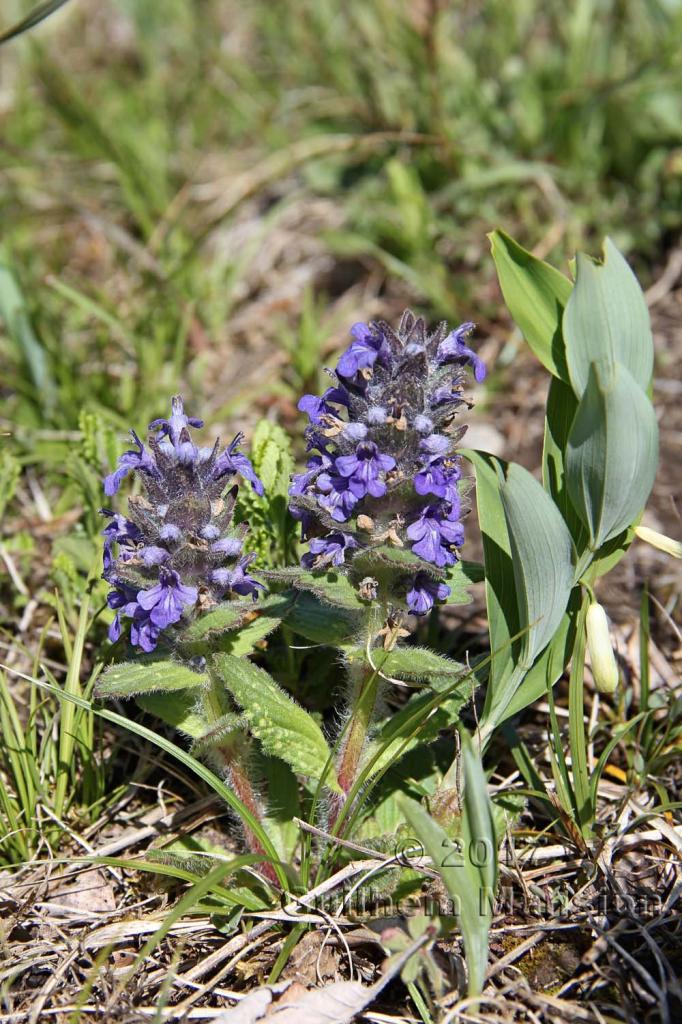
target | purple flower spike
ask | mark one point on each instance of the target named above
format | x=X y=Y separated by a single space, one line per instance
x=384 y=461
x=453 y=350
x=316 y=407
x=166 y=601
x=424 y=592
x=178 y=539
x=336 y=496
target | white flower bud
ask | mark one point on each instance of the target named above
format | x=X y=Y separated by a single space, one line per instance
x=602 y=658
x=660 y=541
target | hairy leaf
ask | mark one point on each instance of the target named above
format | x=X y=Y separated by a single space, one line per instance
x=130 y=678
x=178 y=709
x=283 y=727
x=321 y=623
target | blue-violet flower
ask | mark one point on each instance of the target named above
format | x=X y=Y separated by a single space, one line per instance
x=177 y=552
x=383 y=469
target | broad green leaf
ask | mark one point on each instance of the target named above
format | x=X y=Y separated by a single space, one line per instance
x=246 y=621
x=283 y=727
x=459 y=578
x=503 y=613
x=178 y=709
x=372 y=560
x=607 y=320
x=560 y=413
x=10 y=472
x=609 y=555
x=536 y=295
x=283 y=805
x=468 y=866
x=612 y=453
x=272 y=458
x=541 y=554
x=548 y=667
x=131 y=678
x=321 y=623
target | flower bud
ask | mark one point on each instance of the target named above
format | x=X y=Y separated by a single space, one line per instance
x=660 y=541
x=602 y=658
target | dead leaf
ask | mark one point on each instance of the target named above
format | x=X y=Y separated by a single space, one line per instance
x=337 y=1003
x=89 y=891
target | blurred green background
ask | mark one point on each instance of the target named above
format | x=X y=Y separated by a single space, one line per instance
x=184 y=180
x=202 y=195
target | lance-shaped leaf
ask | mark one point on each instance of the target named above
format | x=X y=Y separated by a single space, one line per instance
x=607 y=320
x=283 y=727
x=413 y=663
x=541 y=557
x=536 y=295
x=131 y=678
x=468 y=866
x=612 y=452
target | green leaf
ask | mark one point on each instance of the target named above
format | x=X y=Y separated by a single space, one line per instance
x=607 y=320
x=227 y=616
x=14 y=314
x=612 y=453
x=333 y=588
x=39 y=13
x=468 y=866
x=284 y=729
x=10 y=472
x=320 y=622
x=130 y=678
x=560 y=413
x=372 y=560
x=418 y=663
x=459 y=578
x=542 y=559
x=548 y=667
x=503 y=613
x=250 y=621
x=536 y=295
x=272 y=458
x=415 y=724
x=178 y=709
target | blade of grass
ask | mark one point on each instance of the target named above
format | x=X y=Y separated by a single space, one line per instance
x=199 y=769
x=33 y=18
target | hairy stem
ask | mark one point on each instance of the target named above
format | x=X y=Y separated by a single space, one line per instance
x=363 y=705
x=235 y=766
x=231 y=751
